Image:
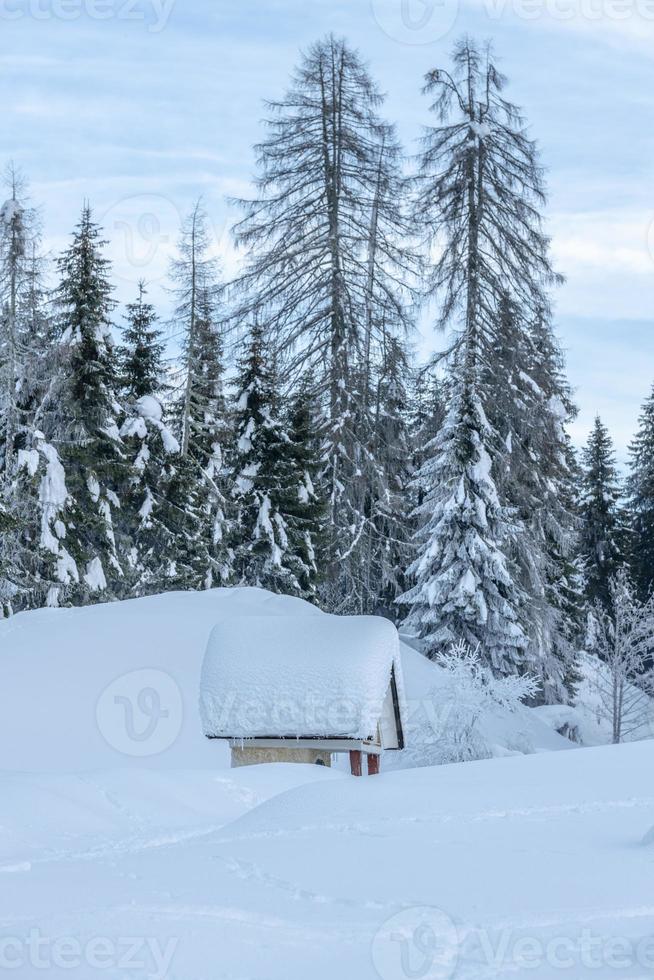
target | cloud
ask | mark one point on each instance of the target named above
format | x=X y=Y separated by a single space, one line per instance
x=609 y=240
x=113 y=112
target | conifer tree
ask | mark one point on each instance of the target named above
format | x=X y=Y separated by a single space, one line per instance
x=529 y=404
x=600 y=531
x=427 y=403
x=427 y=411
x=329 y=271
x=86 y=434
x=300 y=501
x=31 y=552
x=273 y=488
x=465 y=586
x=640 y=490
x=17 y=235
x=195 y=278
x=141 y=352
x=199 y=490
x=553 y=524
x=150 y=449
x=479 y=186
x=7 y=590
x=389 y=535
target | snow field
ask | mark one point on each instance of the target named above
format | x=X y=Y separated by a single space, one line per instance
x=128 y=849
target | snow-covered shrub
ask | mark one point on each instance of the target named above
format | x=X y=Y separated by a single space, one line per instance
x=595 y=691
x=617 y=678
x=467 y=691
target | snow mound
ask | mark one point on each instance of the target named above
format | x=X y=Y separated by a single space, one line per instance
x=517 y=867
x=548 y=786
x=116 y=684
x=562 y=718
x=298 y=676
x=56 y=811
x=525 y=866
x=149 y=407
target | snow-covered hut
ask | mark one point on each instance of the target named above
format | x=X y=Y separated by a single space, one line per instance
x=300 y=688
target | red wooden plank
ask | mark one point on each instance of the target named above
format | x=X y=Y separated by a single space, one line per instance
x=355 y=762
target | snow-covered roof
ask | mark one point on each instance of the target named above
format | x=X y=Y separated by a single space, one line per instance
x=298 y=676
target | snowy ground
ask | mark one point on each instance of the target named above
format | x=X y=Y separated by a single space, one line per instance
x=132 y=852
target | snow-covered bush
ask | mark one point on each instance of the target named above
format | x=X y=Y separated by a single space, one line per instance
x=621 y=687
x=593 y=704
x=467 y=691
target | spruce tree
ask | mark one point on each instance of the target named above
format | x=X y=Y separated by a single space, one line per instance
x=303 y=509
x=640 y=491
x=600 y=532
x=553 y=522
x=7 y=590
x=274 y=493
x=536 y=479
x=477 y=185
x=86 y=434
x=150 y=449
x=32 y=553
x=389 y=535
x=16 y=230
x=428 y=403
x=329 y=272
x=199 y=492
x=465 y=586
x=195 y=282
x=141 y=353
x=49 y=572
x=17 y=237
x=501 y=470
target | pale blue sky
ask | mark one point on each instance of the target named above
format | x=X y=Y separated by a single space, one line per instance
x=141 y=106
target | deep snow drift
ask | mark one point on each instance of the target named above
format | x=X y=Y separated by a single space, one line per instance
x=128 y=850
x=520 y=867
x=117 y=685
